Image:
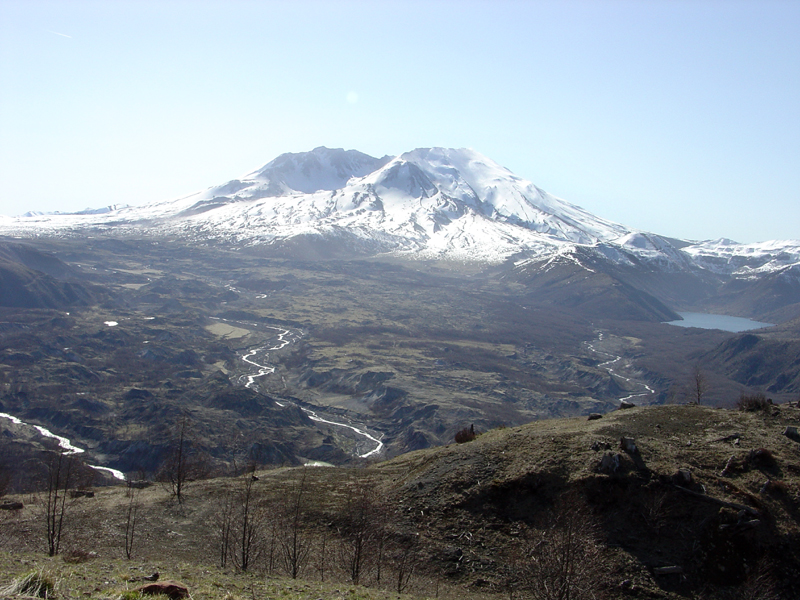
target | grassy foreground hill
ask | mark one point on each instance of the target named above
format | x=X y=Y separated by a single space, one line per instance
x=698 y=503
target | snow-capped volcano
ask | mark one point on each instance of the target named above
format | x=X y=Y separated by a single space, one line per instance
x=452 y=204
x=430 y=202
x=433 y=202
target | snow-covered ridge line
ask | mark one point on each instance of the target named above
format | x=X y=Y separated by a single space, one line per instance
x=746 y=260
x=428 y=203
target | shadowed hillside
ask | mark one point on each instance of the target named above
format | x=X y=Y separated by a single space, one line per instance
x=30 y=278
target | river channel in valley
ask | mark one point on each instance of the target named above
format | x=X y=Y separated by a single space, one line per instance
x=258 y=358
x=66 y=446
x=616 y=361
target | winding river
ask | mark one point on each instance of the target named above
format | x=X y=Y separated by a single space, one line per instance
x=614 y=360
x=283 y=338
x=262 y=367
x=67 y=446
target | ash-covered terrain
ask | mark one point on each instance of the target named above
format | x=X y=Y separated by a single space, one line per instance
x=337 y=307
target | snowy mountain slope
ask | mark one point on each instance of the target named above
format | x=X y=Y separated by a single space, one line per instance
x=320 y=169
x=747 y=260
x=500 y=195
x=430 y=203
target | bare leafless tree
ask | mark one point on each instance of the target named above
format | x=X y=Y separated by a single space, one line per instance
x=59 y=473
x=251 y=522
x=361 y=532
x=130 y=517
x=242 y=523
x=272 y=545
x=224 y=526
x=294 y=541
x=177 y=465
x=322 y=545
x=183 y=462
x=699 y=384
x=404 y=560
x=562 y=560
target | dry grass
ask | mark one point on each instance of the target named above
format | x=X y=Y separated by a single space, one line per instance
x=36 y=583
x=226 y=331
x=465 y=505
x=115 y=579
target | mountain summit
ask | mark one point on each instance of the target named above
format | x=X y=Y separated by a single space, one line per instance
x=428 y=203
x=321 y=169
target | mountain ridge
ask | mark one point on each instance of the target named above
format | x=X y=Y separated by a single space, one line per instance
x=426 y=204
x=455 y=175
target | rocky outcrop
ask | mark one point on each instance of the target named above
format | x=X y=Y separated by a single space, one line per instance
x=171 y=589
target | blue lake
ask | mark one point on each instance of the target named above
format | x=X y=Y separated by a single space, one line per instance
x=724 y=322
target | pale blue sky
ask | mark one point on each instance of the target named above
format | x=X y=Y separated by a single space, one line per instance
x=677 y=117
